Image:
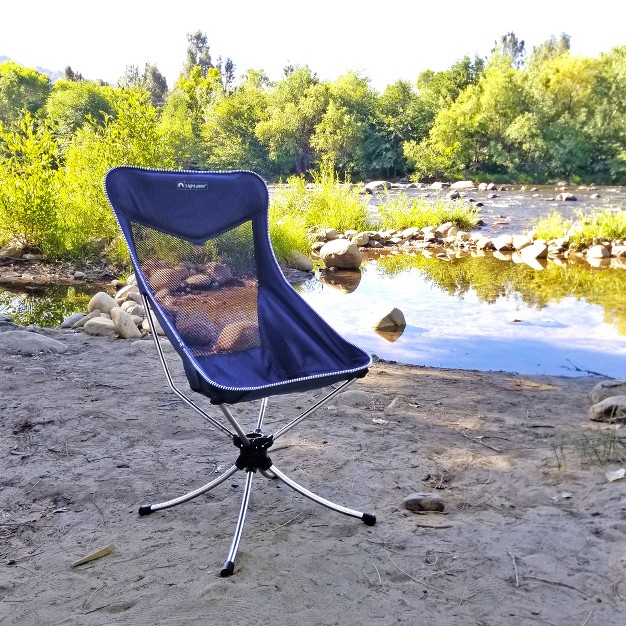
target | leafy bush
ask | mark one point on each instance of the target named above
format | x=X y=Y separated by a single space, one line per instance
x=325 y=204
x=599 y=225
x=29 y=187
x=401 y=211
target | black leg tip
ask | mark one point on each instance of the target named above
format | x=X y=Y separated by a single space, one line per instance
x=369 y=519
x=228 y=569
x=145 y=509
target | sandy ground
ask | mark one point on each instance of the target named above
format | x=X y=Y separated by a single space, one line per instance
x=533 y=532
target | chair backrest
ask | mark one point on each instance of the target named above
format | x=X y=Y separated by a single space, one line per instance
x=199 y=244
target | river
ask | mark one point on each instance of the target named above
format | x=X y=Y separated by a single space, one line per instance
x=466 y=313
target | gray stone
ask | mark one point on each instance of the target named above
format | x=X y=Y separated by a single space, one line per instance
x=566 y=197
x=341 y=253
x=424 y=502
x=612 y=409
x=102 y=301
x=463 y=184
x=11 y=251
x=126 y=290
x=123 y=324
x=132 y=308
x=536 y=250
x=29 y=343
x=353 y=397
x=78 y=275
x=360 y=239
x=606 y=389
x=503 y=243
x=598 y=252
x=391 y=320
x=300 y=262
x=521 y=241
x=146 y=326
x=100 y=327
x=85 y=318
x=68 y=322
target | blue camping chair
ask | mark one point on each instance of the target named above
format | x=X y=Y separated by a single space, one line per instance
x=200 y=248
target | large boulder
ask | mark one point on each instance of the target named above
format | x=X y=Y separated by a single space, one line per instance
x=102 y=302
x=341 y=253
x=124 y=325
x=29 y=343
x=607 y=389
x=100 y=327
x=391 y=320
x=611 y=410
x=463 y=184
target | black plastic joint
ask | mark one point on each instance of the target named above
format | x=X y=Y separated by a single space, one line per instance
x=368 y=519
x=145 y=509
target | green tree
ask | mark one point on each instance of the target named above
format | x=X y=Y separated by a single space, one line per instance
x=29 y=191
x=229 y=131
x=150 y=79
x=512 y=48
x=21 y=89
x=198 y=53
x=129 y=137
x=72 y=104
x=295 y=107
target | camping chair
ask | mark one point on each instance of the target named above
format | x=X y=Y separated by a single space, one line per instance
x=200 y=248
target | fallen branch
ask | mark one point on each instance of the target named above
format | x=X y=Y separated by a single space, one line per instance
x=514 y=568
x=578 y=369
x=479 y=439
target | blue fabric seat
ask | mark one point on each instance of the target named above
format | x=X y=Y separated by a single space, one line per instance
x=191 y=220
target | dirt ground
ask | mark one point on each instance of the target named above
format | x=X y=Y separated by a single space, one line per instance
x=532 y=533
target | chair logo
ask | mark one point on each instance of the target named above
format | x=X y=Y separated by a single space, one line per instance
x=188 y=186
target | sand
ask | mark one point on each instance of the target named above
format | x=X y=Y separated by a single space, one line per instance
x=532 y=531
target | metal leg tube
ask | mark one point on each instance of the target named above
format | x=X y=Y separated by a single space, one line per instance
x=146 y=509
x=229 y=564
x=315 y=407
x=168 y=376
x=262 y=411
x=367 y=518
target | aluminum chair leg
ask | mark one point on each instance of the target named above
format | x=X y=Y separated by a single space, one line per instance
x=146 y=509
x=366 y=518
x=229 y=564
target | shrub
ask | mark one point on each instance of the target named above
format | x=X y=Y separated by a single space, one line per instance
x=400 y=211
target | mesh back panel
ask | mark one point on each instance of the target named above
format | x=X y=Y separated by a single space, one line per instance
x=208 y=291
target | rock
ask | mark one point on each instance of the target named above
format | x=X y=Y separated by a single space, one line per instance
x=454 y=195
x=219 y=273
x=391 y=320
x=618 y=251
x=197 y=329
x=78 y=275
x=521 y=241
x=463 y=184
x=612 y=409
x=598 y=252
x=132 y=308
x=123 y=324
x=157 y=326
x=102 y=301
x=237 y=337
x=607 y=389
x=439 y=185
x=375 y=185
x=503 y=243
x=328 y=234
x=536 y=250
x=125 y=291
x=360 y=239
x=199 y=281
x=566 y=197
x=68 y=322
x=482 y=187
x=100 y=327
x=85 y=318
x=301 y=262
x=424 y=502
x=341 y=253
x=29 y=343
x=167 y=277
x=11 y=251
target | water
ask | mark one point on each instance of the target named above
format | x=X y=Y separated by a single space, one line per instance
x=467 y=313
x=490 y=316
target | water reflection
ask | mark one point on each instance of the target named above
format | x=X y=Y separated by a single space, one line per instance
x=46 y=306
x=484 y=313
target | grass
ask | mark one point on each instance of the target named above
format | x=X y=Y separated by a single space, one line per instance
x=600 y=225
x=399 y=211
